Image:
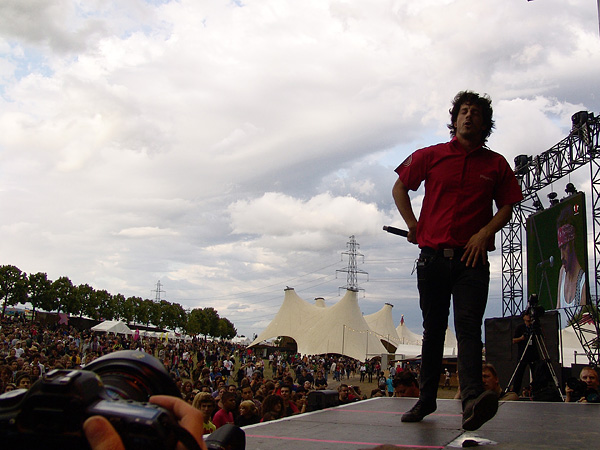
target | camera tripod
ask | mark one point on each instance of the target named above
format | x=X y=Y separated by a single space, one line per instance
x=536 y=338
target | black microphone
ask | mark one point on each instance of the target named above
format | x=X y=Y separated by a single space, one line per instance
x=546 y=263
x=395 y=230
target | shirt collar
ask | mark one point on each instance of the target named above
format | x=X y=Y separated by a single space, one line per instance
x=454 y=142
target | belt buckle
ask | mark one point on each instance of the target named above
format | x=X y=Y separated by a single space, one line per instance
x=449 y=253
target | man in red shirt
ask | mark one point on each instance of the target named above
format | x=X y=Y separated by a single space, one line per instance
x=225 y=414
x=455 y=231
x=290 y=407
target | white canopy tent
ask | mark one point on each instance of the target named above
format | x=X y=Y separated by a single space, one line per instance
x=411 y=343
x=112 y=326
x=406 y=336
x=382 y=323
x=318 y=329
x=573 y=352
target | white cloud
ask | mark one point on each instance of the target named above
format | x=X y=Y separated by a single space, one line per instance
x=230 y=149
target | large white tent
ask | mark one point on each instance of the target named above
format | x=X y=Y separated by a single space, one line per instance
x=112 y=326
x=406 y=336
x=382 y=323
x=572 y=350
x=410 y=346
x=340 y=328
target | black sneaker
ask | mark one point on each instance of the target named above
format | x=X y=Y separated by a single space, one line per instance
x=478 y=411
x=418 y=411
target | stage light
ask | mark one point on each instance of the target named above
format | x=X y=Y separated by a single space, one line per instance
x=570 y=189
x=579 y=119
x=538 y=205
x=522 y=164
x=552 y=197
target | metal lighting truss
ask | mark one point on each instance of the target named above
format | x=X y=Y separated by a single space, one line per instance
x=580 y=147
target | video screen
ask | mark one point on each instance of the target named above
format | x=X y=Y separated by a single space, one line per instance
x=557 y=256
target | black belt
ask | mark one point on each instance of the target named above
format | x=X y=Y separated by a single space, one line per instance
x=449 y=253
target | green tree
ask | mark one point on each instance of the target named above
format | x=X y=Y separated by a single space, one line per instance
x=88 y=299
x=118 y=301
x=106 y=306
x=13 y=286
x=180 y=317
x=167 y=318
x=127 y=309
x=142 y=310
x=66 y=294
x=195 y=322
x=40 y=292
x=154 y=313
x=226 y=329
x=211 y=322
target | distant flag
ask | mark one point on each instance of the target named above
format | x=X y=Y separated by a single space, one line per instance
x=63 y=319
x=402 y=320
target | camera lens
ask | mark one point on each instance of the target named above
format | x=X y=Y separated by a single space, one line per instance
x=572 y=382
x=133 y=375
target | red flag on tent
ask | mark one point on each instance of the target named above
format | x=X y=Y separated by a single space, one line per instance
x=402 y=320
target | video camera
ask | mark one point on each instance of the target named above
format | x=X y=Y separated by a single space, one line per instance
x=534 y=309
x=580 y=389
x=51 y=413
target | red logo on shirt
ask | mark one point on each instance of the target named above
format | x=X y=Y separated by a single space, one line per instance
x=407 y=161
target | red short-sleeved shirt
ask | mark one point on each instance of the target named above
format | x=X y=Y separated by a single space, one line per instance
x=460 y=188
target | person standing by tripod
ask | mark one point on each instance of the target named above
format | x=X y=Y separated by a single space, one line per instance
x=527 y=351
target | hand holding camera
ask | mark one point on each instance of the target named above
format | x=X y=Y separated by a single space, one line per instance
x=111 y=397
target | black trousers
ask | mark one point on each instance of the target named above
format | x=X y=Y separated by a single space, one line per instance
x=441 y=279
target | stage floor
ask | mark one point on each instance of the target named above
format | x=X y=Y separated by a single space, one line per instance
x=373 y=422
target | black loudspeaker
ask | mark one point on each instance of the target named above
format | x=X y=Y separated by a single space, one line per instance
x=322 y=399
x=504 y=355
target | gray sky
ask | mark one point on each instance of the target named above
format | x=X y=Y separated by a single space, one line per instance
x=229 y=149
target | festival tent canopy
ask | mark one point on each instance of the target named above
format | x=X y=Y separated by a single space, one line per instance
x=382 y=323
x=340 y=328
x=450 y=343
x=406 y=336
x=407 y=351
x=573 y=352
x=293 y=318
x=112 y=326
x=242 y=340
x=320 y=302
x=411 y=350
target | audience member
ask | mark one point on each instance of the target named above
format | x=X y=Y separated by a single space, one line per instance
x=406 y=385
x=225 y=414
x=204 y=402
x=343 y=394
x=491 y=383
x=289 y=407
x=23 y=380
x=272 y=408
x=320 y=381
x=589 y=376
x=248 y=414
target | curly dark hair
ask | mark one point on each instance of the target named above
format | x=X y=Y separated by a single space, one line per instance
x=268 y=406
x=483 y=101
x=405 y=378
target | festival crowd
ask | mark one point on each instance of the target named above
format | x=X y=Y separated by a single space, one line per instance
x=227 y=382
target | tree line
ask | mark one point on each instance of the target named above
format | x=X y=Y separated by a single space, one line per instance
x=63 y=296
